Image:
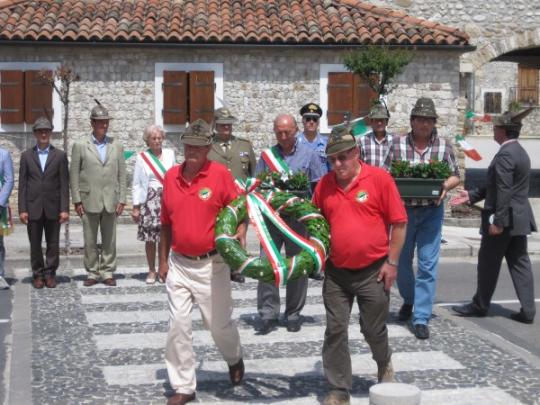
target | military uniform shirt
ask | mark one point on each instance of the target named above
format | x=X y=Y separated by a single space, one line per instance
x=239 y=156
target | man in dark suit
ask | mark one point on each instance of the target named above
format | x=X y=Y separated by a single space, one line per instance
x=43 y=201
x=507 y=219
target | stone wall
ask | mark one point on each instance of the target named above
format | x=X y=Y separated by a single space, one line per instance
x=494 y=27
x=258 y=84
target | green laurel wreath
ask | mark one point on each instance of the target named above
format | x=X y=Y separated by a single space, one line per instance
x=259 y=268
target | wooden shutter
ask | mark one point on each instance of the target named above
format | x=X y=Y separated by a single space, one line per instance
x=201 y=96
x=37 y=96
x=340 y=97
x=175 y=92
x=528 y=85
x=363 y=97
x=11 y=97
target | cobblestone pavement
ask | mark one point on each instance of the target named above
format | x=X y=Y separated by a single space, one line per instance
x=105 y=345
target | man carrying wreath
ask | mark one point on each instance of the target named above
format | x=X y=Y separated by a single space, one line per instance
x=367 y=230
x=193 y=195
x=288 y=156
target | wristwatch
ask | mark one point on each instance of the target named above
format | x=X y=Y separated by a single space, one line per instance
x=391 y=263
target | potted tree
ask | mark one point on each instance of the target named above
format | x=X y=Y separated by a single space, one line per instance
x=421 y=180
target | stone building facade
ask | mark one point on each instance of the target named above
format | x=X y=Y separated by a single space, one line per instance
x=257 y=84
x=495 y=28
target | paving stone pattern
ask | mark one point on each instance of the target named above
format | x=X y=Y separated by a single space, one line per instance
x=114 y=360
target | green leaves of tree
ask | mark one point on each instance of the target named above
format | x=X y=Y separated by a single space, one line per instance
x=378 y=65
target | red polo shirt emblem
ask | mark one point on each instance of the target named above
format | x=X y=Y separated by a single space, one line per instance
x=362 y=196
x=205 y=193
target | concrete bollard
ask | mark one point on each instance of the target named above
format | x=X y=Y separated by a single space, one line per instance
x=394 y=394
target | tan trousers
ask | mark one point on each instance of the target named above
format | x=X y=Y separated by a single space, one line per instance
x=205 y=283
x=99 y=267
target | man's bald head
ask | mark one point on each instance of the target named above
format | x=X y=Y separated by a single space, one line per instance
x=285 y=129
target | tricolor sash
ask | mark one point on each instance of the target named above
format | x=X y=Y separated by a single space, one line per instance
x=154 y=164
x=258 y=207
x=274 y=161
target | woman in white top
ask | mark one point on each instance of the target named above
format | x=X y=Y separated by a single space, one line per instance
x=148 y=177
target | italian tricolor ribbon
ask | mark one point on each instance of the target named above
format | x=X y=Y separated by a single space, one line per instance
x=468 y=149
x=258 y=208
x=154 y=164
x=478 y=117
x=273 y=159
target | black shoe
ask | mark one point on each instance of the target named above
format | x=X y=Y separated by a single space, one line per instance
x=267 y=326
x=421 y=331
x=237 y=278
x=405 y=312
x=468 y=310
x=294 y=325
x=520 y=317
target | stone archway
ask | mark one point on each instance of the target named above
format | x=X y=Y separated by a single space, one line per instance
x=489 y=51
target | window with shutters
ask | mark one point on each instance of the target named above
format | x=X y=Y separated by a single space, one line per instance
x=342 y=94
x=528 y=84
x=492 y=102
x=186 y=92
x=24 y=96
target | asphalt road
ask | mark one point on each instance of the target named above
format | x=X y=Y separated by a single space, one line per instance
x=457 y=284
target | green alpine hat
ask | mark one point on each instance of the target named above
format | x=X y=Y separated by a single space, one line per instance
x=340 y=139
x=378 y=111
x=424 y=107
x=99 y=113
x=511 y=120
x=223 y=116
x=42 y=123
x=198 y=133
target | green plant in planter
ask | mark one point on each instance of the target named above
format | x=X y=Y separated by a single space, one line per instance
x=433 y=169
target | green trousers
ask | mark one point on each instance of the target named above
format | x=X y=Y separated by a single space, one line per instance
x=99 y=266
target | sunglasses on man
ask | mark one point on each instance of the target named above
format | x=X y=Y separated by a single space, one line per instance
x=313 y=119
x=342 y=157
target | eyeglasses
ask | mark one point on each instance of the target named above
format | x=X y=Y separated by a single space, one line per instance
x=314 y=119
x=342 y=157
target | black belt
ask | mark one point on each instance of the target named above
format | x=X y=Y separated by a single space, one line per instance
x=201 y=257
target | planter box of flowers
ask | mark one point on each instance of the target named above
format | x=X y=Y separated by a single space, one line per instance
x=421 y=180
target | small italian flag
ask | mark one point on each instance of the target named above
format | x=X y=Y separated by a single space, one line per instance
x=128 y=154
x=359 y=127
x=467 y=148
x=478 y=117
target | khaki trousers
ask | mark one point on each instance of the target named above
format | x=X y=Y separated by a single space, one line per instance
x=340 y=287
x=205 y=283
x=104 y=222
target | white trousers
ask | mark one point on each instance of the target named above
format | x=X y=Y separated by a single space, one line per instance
x=205 y=283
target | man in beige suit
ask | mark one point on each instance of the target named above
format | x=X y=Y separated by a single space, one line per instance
x=98 y=189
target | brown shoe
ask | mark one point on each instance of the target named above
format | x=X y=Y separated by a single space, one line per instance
x=180 y=399
x=89 y=282
x=236 y=372
x=50 y=281
x=385 y=372
x=38 y=283
x=111 y=282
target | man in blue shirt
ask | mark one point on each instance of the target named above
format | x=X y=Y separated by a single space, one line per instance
x=43 y=201
x=311 y=114
x=297 y=158
x=6 y=185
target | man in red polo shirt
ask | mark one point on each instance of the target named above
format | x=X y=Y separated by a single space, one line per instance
x=357 y=199
x=193 y=194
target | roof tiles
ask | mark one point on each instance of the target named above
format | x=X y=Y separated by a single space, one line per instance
x=310 y=22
